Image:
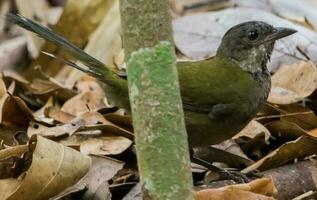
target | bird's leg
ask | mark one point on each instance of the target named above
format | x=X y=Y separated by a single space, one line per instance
x=223 y=173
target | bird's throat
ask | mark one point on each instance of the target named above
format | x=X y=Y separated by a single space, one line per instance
x=254 y=60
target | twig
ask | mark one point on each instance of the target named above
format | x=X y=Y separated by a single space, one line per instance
x=284 y=115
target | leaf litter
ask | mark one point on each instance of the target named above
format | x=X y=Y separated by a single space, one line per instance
x=57 y=127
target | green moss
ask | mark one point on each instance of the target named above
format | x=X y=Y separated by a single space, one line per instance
x=159 y=123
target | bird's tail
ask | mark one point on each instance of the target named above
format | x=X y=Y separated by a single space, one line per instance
x=116 y=83
x=92 y=66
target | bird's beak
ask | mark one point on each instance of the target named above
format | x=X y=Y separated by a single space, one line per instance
x=278 y=33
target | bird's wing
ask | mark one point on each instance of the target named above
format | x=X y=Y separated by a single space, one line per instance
x=213 y=86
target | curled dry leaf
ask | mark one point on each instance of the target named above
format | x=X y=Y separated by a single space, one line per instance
x=260 y=189
x=303 y=146
x=292 y=83
x=8 y=135
x=11 y=160
x=51 y=171
x=299 y=114
x=252 y=130
x=105 y=145
x=55 y=131
x=285 y=130
x=40 y=114
x=95 y=182
x=50 y=87
x=12 y=52
x=58 y=115
x=94 y=121
x=226 y=152
x=299 y=11
x=5 y=7
x=124 y=121
x=99 y=136
x=12 y=108
x=94 y=12
x=37 y=8
x=84 y=102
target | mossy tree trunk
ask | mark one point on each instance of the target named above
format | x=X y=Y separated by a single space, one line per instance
x=158 y=118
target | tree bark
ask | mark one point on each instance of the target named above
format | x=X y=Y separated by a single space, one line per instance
x=158 y=119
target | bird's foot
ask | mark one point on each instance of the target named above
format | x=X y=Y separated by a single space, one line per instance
x=223 y=174
x=236 y=176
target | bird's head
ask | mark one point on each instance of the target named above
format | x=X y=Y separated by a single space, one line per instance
x=250 y=44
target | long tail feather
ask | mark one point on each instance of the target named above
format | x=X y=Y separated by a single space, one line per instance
x=96 y=68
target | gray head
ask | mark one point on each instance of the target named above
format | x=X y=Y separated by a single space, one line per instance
x=250 y=44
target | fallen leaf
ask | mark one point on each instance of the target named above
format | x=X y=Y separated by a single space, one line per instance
x=95 y=181
x=303 y=146
x=12 y=52
x=298 y=114
x=292 y=83
x=286 y=130
x=84 y=102
x=40 y=114
x=59 y=115
x=9 y=159
x=55 y=131
x=253 y=129
x=105 y=145
x=260 y=189
x=298 y=11
x=60 y=171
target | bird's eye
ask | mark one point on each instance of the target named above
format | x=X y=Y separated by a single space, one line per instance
x=253 y=35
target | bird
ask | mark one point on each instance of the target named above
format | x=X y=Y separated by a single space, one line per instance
x=220 y=95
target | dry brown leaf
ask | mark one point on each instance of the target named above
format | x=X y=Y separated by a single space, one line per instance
x=285 y=130
x=12 y=52
x=252 y=130
x=38 y=8
x=84 y=102
x=302 y=116
x=74 y=11
x=256 y=189
x=12 y=108
x=49 y=88
x=105 y=145
x=97 y=142
x=87 y=84
x=110 y=128
x=124 y=121
x=55 y=131
x=11 y=161
x=96 y=180
x=292 y=83
x=313 y=132
x=52 y=169
x=303 y=146
x=298 y=11
x=226 y=152
x=40 y=114
x=7 y=136
x=5 y=7
x=91 y=118
x=58 y=115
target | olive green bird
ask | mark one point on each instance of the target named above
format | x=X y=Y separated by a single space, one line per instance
x=220 y=95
